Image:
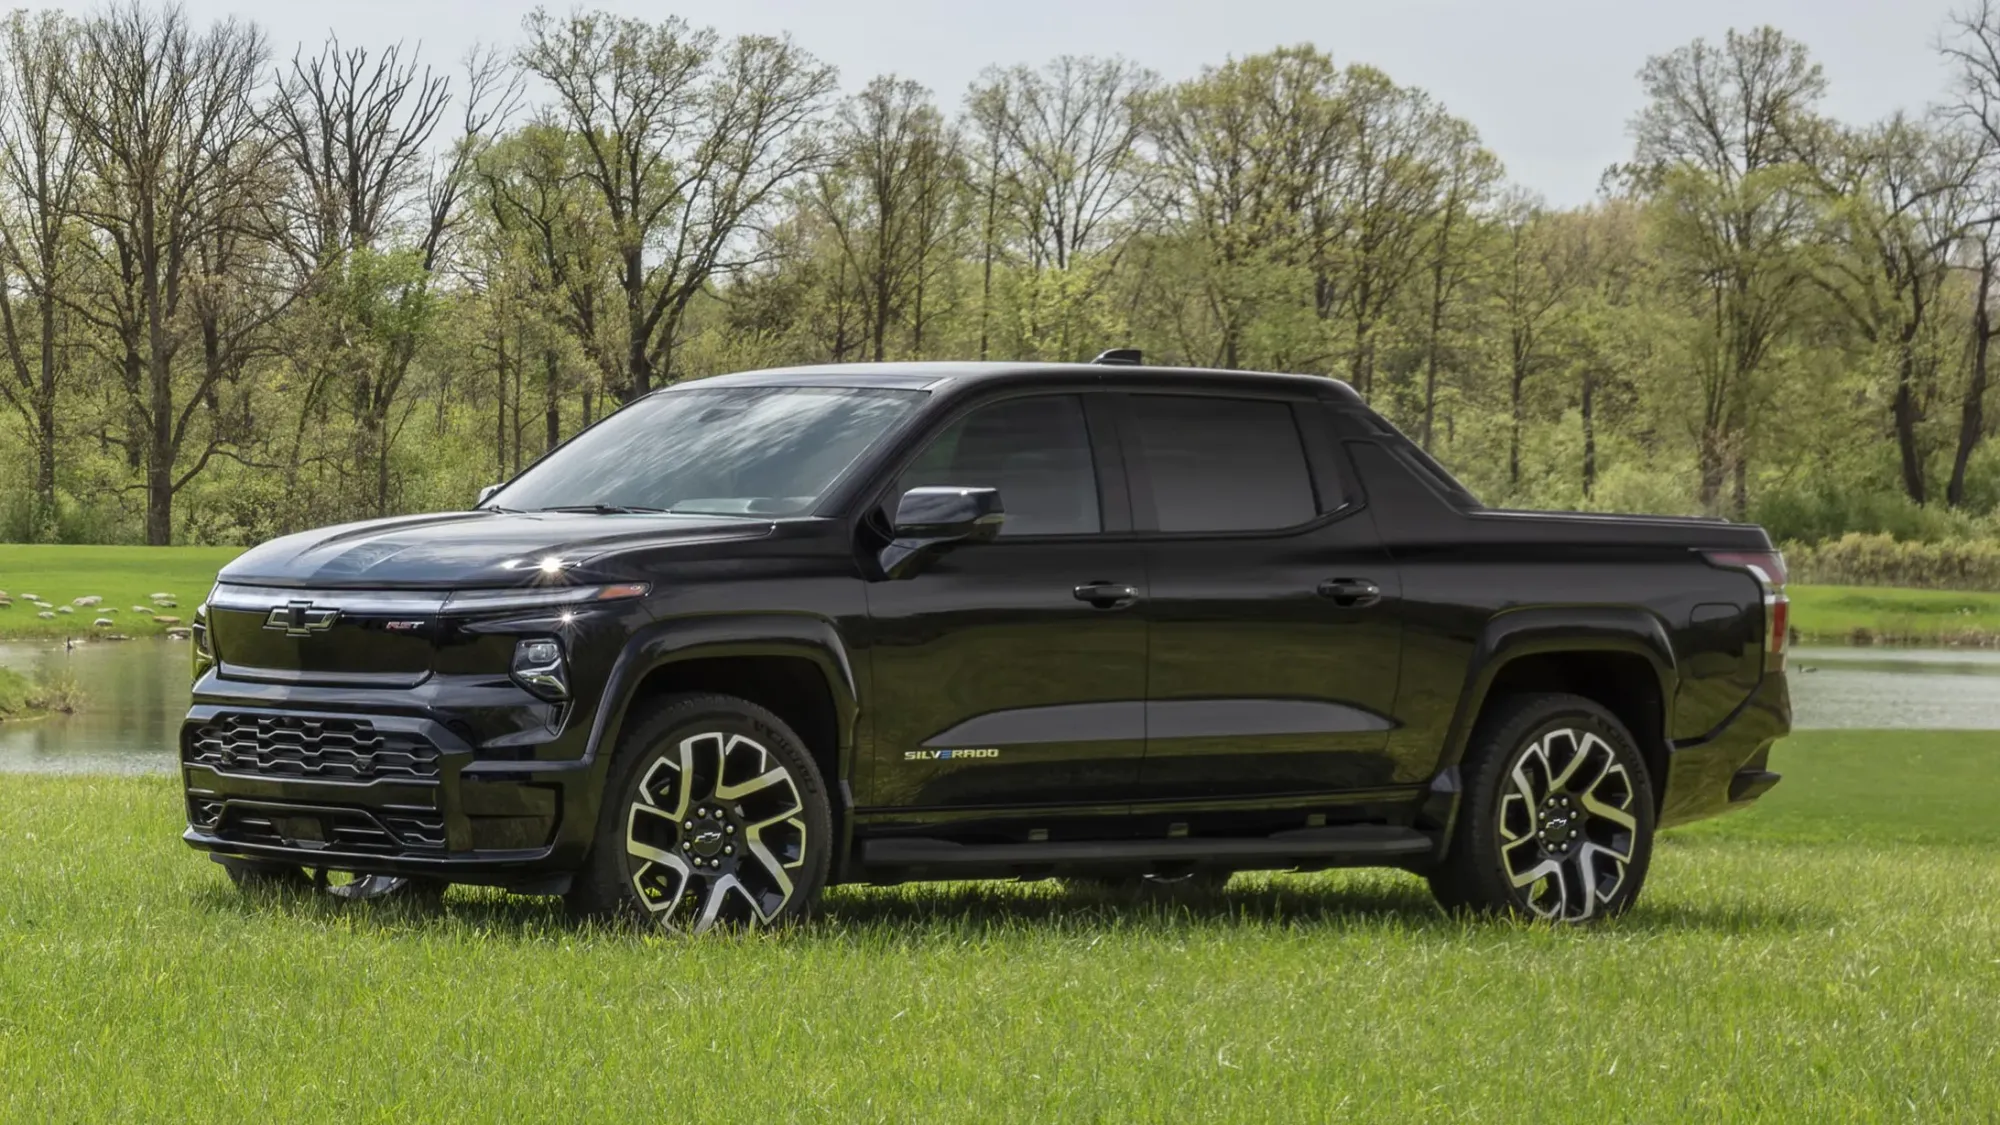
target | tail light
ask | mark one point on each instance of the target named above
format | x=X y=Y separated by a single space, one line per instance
x=1768 y=567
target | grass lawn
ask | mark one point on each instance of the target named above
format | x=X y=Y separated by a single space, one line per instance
x=123 y=576
x=1832 y=955
x=1836 y=613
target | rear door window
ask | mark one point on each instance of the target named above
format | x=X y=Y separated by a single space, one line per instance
x=1220 y=464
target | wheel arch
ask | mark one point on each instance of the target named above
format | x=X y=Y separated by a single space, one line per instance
x=1619 y=657
x=794 y=665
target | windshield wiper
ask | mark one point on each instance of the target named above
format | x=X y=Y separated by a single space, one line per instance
x=605 y=509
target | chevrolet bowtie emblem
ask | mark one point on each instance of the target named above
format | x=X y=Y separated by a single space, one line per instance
x=301 y=619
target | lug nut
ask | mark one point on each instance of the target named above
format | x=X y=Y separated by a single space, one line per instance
x=728 y=849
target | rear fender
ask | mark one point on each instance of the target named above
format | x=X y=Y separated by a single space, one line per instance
x=1518 y=633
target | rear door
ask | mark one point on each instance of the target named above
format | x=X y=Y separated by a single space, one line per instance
x=1013 y=673
x=1273 y=654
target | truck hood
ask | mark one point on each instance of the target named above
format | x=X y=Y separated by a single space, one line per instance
x=469 y=550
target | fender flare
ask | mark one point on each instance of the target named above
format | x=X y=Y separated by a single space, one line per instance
x=1512 y=634
x=679 y=640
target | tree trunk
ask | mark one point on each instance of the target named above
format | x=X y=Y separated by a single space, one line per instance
x=1972 y=410
x=552 y=400
x=1589 y=435
x=45 y=421
x=500 y=397
x=1714 y=468
x=1904 y=410
x=638 y=371
x=1517 y=379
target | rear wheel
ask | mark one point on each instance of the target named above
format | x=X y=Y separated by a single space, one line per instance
x=714 y=817
x=1557 y=820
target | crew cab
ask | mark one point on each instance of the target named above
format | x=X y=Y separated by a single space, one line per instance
x=757 y=634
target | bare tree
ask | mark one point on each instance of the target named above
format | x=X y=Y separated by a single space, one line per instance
x=166 y=119
x=1900 y=198
x=688 y=140
x=1971 y=43
x=40 y=178
x=355 y=130
x=371 y=211
x=1071 y=170
x=887 y=198
x=1718 y=151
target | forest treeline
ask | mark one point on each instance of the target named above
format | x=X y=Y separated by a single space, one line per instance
x=245 y=291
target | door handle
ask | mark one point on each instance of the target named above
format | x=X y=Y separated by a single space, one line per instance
x=1350 y=591
x=1107 y=595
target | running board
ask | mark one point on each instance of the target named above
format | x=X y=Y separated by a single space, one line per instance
x=1360 y=844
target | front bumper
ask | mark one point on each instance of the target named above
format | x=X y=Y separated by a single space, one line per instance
x=1726 y=770
x=382 y=793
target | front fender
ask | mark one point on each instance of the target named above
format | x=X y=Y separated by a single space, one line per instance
x=747 y=634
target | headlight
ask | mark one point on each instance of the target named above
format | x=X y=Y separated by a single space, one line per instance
x=203 y=646
x=539 y=667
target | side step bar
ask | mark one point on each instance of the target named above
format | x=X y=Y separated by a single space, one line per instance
x=1360 y=844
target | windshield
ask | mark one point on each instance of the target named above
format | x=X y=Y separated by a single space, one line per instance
x=729 y=451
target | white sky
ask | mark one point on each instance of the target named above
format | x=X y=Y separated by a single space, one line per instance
x=1550 y=84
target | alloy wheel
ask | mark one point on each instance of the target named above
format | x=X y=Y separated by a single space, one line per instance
x=1567 y=825
x=715 y=834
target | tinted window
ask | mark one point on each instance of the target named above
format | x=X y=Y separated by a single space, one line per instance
x=730 y=451
x=1222 y=464
x=1036 y=451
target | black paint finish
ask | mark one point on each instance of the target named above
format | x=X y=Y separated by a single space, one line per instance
x=1112 y=689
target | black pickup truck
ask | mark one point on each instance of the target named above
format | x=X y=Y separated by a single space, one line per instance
x=758 y=634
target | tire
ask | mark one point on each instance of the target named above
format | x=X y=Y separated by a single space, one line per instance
x=714 y=816
x=1556 y=821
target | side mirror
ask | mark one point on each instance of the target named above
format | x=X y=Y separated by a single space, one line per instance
x=931 y=519
x=486 y=494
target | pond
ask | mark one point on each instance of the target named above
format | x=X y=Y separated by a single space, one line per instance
x=136 y=693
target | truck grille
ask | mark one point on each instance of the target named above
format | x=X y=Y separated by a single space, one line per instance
x=312 y=746
x=393 y=830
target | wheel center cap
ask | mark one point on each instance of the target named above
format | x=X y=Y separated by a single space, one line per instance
x=706 y=836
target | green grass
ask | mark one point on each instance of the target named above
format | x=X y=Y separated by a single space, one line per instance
x=1886 y=614
x=1833 y=955
x=123 y=576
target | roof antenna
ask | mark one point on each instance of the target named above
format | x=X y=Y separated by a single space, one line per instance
x=1128 y=357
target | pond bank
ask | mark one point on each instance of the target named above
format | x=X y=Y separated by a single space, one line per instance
x=1884 y=615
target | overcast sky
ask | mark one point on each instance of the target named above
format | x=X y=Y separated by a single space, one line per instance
x=1550 y=84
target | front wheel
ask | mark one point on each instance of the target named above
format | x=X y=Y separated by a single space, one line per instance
x=714 y=816
x=1557 y=819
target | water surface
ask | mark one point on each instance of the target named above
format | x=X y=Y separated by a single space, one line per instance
x=135 y=694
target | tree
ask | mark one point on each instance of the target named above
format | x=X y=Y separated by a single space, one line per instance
x=371 y=213
x=888 y=197
x=1063 y=173
x=166 y=119
x=1716 y=151
x=1971 y=43
x=41 y=176
x=1900 y=203
x=687 y=142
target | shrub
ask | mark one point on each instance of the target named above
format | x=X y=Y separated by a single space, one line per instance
x=1881 y=560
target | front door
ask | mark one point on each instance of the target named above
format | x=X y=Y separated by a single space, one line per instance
x=1013 y=673
x=1274 y=652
